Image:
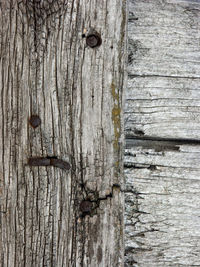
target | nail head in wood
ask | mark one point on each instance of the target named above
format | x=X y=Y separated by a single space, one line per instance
x=86 y=206
x=93 y=40
x=35 y=121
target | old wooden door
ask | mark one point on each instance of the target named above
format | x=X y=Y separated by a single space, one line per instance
x=62 y=79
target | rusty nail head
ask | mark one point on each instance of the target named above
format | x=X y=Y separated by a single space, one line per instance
x=86 y=206
x=93 y=40
x=35 y=121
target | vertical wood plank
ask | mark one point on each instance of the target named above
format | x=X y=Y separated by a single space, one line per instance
x=47 y=69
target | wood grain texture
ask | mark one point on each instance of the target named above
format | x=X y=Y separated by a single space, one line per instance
x=48 y=70
x=162 y=206
x=162 y=126
x=163 y=87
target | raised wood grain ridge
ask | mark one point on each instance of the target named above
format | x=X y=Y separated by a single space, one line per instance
x=47 y=69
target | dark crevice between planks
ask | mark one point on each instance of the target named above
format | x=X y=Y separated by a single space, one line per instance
x=132 y=76
x=130 y=165
x=158 y=143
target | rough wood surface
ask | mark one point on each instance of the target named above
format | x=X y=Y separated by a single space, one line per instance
x=48 y=70
x=162 y=206
x=163 y=96
x=162 y=126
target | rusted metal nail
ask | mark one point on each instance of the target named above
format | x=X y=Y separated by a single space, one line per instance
x=39 y=162
x=49 y=161
x=35 y=121
x=93 y=40
x=86 y=207
x=60 y=163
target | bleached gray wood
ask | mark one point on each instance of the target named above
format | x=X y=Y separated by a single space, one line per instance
x=163 y=87
x=162 y=206
x=162 y=126
x=47 y=69
x=163 y=107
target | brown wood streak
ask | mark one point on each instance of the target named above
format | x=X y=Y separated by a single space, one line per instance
x=48 y=70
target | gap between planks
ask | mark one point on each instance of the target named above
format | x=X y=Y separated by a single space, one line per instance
x=132 y=76
x=159 y=143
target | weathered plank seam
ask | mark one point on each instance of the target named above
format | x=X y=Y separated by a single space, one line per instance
x=174 y=141
x=132 y=76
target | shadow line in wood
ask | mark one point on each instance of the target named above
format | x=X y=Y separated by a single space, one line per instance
x=157 y=143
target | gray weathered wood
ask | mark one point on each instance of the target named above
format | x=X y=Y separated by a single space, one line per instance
x=47 y=69
x=162 y=206
x=162 y=124
x=164 y=71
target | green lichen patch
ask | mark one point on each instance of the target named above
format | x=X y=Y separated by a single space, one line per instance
x=116 y=119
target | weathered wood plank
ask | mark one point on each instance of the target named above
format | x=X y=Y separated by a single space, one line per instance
x=162 y=123
x=163 y=107
x=164 y=37
x=48 y=70
x=163 y=87
x=162 y=206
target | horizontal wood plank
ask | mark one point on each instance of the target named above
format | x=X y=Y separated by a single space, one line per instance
x=163 y=107
x=162 y=206
x=163 y=88
x=164 y=38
